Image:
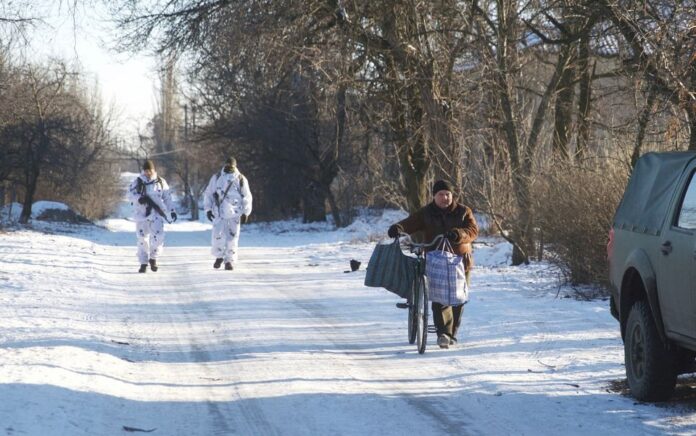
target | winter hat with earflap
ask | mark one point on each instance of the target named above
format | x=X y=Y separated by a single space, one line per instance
x=230 y=164
x=442 y=185
x=149 y=165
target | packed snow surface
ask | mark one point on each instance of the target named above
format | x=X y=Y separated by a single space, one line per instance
x=290 y=344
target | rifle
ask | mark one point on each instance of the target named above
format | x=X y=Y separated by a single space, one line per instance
x=218 y=200
x=151 y=204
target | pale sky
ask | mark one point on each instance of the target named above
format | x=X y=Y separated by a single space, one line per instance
x=126 y=82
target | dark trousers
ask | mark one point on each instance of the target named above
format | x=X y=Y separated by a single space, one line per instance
x=447 y=319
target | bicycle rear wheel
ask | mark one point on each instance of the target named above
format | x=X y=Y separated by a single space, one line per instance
x=421 y=305
x=412 y=316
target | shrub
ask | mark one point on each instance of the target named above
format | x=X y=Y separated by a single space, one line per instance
x=575 y=210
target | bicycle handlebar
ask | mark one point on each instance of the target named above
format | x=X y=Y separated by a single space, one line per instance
x=407 y=239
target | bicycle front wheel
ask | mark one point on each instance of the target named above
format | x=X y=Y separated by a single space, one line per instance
x=421 y=305
x=412 y=315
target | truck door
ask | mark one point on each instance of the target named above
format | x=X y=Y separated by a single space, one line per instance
x=676 y=278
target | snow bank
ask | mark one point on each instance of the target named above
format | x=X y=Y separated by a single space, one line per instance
x=42 y=210
x=42 y=206
x=10 y=212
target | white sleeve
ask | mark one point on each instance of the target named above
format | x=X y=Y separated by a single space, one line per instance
x=246 y=196
x=167 y=196
x=208 y=194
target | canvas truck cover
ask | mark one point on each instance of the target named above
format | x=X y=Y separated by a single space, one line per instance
x=650 y=190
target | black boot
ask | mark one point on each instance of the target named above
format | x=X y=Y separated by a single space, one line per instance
x=143 y=268
x=217 y=263
x=153 y=265
x=228 y=266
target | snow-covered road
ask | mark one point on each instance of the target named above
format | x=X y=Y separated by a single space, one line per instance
x=290 y=344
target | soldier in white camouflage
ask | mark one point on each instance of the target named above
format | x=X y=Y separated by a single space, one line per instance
x=152 y=206
x=227 y=201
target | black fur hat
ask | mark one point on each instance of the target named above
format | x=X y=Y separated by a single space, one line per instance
x=442 y=185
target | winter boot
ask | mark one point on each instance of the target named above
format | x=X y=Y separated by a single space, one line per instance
x=153 y=265
x=453 y=341
x=443 y=341
x=228 y=266
x=217 y=263
x=143 y=268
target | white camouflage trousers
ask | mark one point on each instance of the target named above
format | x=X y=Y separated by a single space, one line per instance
x=225 y=239
x=150 y=234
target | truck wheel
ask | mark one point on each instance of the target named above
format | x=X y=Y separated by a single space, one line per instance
x=650 y=366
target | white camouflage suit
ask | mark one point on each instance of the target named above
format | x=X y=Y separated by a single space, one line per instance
x=150 y=228
x=233 y=204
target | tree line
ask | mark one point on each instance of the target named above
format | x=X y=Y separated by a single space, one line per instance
x=53 y=138
x=536 y=110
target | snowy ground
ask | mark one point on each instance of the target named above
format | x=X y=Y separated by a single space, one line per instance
x=290 y=344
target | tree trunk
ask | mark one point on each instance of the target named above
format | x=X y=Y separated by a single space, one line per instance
x=564 y=102
x=643 y=121
x=331 y=173
x=335 y=211
x=505 y=50
x=437 y=119
x=314 y=202
x=30 y=190
x=411 y=149
x=193 y=205
x=188 y=192
x=585 y=96
x=523 y=176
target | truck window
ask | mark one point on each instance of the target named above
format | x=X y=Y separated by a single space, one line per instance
x=687 y=212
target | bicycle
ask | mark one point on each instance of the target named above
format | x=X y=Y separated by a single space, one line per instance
x=417 y=304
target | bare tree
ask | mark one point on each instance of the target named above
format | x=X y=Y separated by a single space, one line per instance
x=52 y=131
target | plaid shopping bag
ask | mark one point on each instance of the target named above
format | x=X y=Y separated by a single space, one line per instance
x=446 y=276
x=391 y=269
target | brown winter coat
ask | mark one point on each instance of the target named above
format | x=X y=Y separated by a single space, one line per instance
x=433 y=221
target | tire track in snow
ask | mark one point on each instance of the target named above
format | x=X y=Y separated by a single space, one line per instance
x=424 y=405
x=255 y=422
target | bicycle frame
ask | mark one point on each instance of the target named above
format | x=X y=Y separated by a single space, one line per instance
x=418 y=303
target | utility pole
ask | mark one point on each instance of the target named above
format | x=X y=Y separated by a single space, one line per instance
x=193 y=204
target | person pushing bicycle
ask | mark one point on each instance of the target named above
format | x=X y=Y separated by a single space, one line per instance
x=457 y=223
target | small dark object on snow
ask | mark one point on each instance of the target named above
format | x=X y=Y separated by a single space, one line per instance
x=153 y=265
x=143 y=268
x=217 y=263
x=354 y=265
x=120 y=342
x=228 y=266
x=134 y=429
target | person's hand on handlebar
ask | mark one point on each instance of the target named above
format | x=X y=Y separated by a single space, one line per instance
x=452 y=235
x=394 y=231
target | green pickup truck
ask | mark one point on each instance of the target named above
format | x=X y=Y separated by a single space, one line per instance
x=652 y=270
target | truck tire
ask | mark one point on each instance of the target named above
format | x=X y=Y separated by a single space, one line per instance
x=650 y=367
